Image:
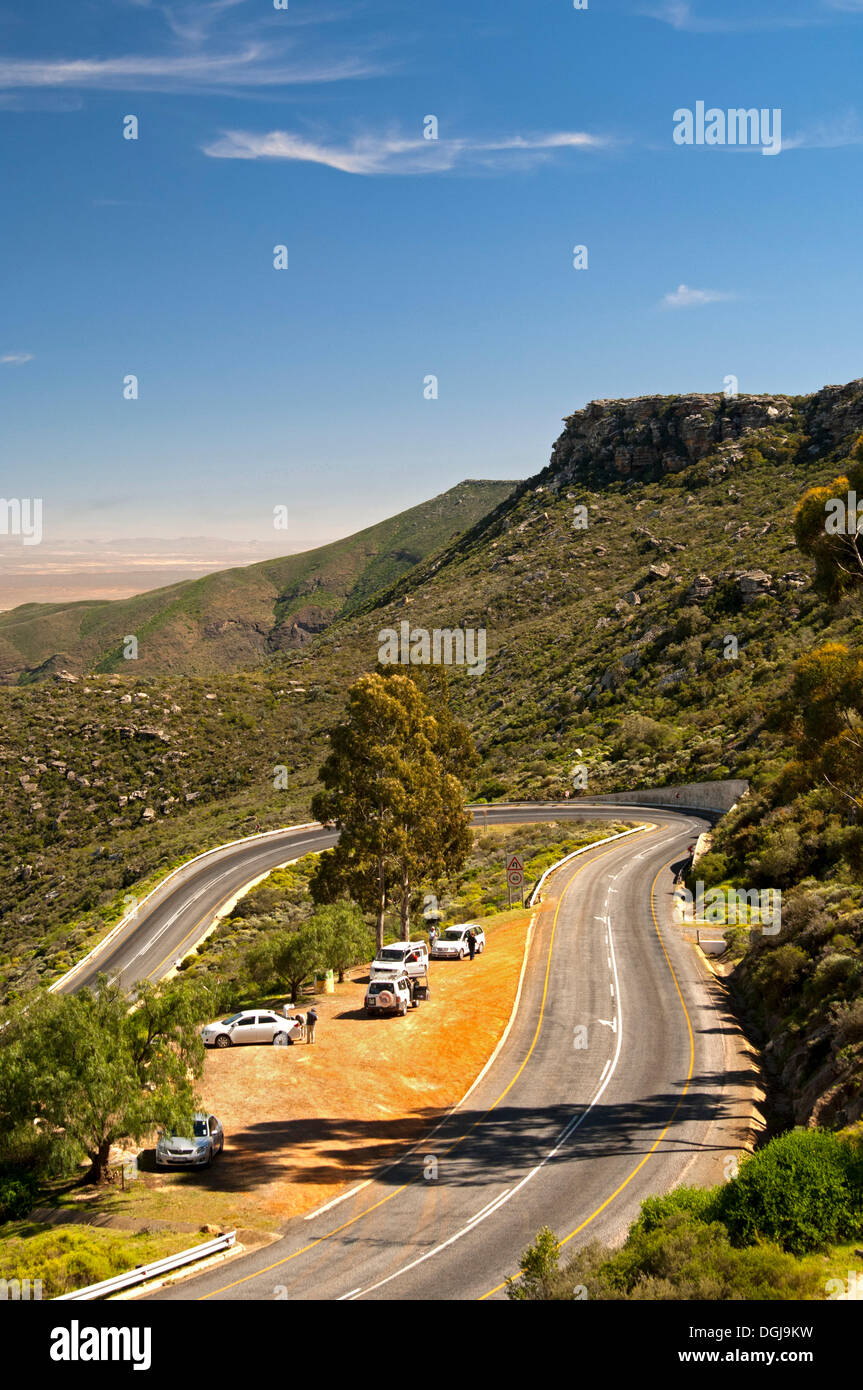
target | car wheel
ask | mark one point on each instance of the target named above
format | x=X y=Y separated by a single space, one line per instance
x=280 y=1040
x=209 y=1161
x=480 y=948
x=223 y=1040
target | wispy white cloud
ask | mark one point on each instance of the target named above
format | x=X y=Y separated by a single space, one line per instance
x=681 y=15
x=217 y=46
x=253 y=66
x=396 y=154
x=16 y=359
x=831 y=134
x=685 y=298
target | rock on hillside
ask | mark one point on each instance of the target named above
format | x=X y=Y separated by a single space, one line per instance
x=651 y=436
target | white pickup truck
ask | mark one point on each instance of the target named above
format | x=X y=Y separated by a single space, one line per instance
x=400 y=958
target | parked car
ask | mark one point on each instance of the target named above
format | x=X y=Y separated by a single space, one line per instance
x=250 y=1026
x=400 y=958
x=194 y=1151
x=452 y=945
x=388 y=996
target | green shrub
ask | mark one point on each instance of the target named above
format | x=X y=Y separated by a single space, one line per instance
x=538 y=1265
x=696 y=1202
x=17 y=1195
x=683 y=1258
x=678 y=1258
x=777 y=971
x=804 y=1190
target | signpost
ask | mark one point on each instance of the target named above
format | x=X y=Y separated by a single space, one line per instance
x=515 y=877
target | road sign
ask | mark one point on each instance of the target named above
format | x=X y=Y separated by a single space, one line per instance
x=514 y=876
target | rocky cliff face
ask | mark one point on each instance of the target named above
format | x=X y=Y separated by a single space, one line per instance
x=650 y=436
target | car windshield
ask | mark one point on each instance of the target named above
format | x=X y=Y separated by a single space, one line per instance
x=233 y=1018
x=453 y=934
x=200 y=1129
x=391 y=953
x=376 y=988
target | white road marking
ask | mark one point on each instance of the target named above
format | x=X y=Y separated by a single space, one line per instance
x=569 y=1129
x=319 y=1211
x=486 y=1210
x=605 y=1069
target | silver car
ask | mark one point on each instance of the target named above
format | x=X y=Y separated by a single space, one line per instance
x=251 y=1026
x=191 y=1151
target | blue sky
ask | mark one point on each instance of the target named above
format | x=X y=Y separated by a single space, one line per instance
x=407 y=257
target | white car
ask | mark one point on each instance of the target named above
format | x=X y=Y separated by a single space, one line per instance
x=194 y=1151
x=251 y=1026
x=400 y=958
x=453 y=944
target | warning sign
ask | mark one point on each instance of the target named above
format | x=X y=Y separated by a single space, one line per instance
x=514 y=864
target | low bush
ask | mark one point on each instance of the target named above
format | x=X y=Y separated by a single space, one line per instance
x=17 y=1195
x=804 y=1190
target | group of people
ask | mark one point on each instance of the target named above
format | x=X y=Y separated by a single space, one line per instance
x=307 y=1025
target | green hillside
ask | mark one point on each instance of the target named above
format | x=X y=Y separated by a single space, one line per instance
x=655 y=643
x=237 y=617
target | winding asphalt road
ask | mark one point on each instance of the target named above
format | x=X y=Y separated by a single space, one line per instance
x=613 y=1081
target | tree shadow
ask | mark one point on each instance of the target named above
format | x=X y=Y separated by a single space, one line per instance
x=483 y=1145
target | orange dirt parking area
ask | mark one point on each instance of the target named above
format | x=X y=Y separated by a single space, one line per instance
x=302 y=1121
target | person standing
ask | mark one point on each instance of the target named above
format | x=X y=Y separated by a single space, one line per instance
x=311 y=1022
x=471 y=942
x=433 y=935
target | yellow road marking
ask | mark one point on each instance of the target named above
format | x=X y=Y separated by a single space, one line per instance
x=368 y=1210
x=661 y=1136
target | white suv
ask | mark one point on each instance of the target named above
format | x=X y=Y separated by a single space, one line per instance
x=453 y=945
x=388 y=996
x=400 y=958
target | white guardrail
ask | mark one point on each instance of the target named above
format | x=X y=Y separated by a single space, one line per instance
x=621 y=835
x=151 y=1271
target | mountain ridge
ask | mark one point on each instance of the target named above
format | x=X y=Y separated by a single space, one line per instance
x=236 y=617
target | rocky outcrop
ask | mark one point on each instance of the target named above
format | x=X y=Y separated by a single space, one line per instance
x=299 y=628
x=651 y=436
